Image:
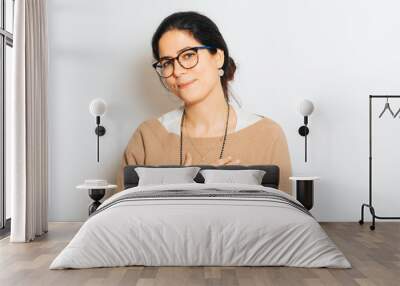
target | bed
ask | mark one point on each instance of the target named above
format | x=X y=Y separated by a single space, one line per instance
x=201 y=224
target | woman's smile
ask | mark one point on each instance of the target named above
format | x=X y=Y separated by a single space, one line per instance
x=185 y=85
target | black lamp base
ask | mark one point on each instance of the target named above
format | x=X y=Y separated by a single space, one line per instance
x=100 y=130
x=303 y=130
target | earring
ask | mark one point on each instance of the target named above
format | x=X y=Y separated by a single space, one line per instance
x=221 y=72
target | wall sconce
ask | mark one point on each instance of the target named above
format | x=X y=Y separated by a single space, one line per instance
x=97 y=108
x=306 y=107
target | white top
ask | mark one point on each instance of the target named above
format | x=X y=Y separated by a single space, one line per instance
x=172 y=119
x=87 y=187
x=303 y=178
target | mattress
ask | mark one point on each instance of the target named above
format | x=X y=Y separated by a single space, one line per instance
x=193 y=224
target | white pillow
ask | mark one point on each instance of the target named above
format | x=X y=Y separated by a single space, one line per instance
x=249 y=176
x=166 y=175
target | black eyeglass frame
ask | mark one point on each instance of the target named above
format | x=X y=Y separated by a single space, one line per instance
x=155 y=64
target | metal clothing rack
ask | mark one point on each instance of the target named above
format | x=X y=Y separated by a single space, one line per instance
x=369 y=205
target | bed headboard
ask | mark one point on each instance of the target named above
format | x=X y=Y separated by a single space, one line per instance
x=270 y=179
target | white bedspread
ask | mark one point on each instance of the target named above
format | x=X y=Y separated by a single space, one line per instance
x=177 y=231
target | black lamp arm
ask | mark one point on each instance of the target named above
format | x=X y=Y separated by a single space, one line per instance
x=100 y=131
x=303 y=131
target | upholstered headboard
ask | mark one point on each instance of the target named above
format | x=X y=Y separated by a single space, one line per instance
x=270 y=179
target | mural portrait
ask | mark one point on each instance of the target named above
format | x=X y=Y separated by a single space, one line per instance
x=193 y=62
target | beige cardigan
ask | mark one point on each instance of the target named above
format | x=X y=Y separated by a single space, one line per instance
x=257 y=141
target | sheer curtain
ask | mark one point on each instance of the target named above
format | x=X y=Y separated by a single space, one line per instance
x=27 y=121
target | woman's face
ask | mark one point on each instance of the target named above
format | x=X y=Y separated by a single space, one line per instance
x=203 y=78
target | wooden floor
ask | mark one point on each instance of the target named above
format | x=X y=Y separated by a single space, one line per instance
x=374 y=255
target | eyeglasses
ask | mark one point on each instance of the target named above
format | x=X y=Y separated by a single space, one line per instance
x=187 y=59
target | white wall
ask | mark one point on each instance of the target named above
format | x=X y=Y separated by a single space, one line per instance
x=334 y=53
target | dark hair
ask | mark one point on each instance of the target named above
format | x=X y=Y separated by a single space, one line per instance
x=204 y=30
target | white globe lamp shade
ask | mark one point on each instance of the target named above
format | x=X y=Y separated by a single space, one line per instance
x=97 y=107
x=306 y=107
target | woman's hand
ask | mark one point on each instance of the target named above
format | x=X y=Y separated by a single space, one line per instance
x=223 y=161
x=227 y=161
x=187 y=161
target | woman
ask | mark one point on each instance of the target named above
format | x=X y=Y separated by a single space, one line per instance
x=193 y=63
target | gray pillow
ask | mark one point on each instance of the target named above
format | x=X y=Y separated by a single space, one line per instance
x=166 y=175
x=249 y=176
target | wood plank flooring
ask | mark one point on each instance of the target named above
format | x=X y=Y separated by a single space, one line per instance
x=374 y=255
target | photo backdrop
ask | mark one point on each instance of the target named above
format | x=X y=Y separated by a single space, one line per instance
x=334 y=53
